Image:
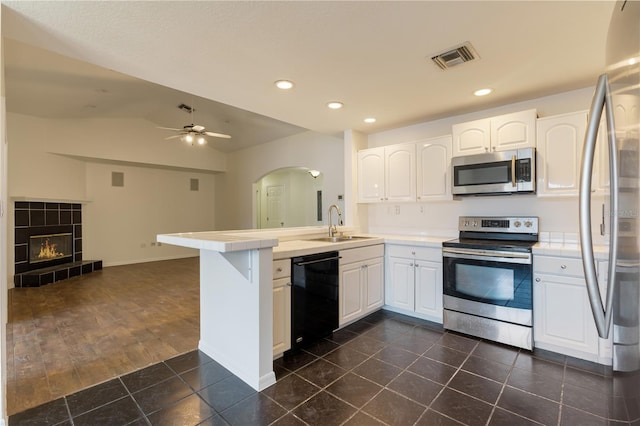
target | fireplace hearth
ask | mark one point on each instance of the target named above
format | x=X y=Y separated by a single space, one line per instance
x=48 y=243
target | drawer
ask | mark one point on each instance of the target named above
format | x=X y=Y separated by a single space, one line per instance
x=281 y=268
x=361 y=253
x=417 y=252
x=565 y=266
x=282 y=282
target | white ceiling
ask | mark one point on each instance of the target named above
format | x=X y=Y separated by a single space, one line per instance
x=92 y=59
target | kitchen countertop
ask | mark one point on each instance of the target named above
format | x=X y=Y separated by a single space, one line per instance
x=291 y=245
x=547 y=248
x=290 y=242
x=305 y=247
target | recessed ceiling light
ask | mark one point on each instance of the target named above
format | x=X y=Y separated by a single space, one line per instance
x=482 y=92
x=335 y=105
x=370 y=120
x=284 y=84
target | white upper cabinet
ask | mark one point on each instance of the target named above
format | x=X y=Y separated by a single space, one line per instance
x=501 y=133
x=387 y=174
x=371 y=175
x=560 y=141
x=472 y=137
x=514 y=131
x=433 y=169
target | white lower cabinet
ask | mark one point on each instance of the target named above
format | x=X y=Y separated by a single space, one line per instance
x=563 y=321
x=414 y=281
x=281 y=306
x=361 y=282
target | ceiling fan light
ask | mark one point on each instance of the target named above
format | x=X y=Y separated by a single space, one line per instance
x=201 y=140
x=188 y=138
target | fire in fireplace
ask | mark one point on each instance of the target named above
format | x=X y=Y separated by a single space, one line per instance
x=44 y=248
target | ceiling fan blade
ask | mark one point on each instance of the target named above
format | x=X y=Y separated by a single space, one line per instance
x=217 y=135
x=172 y=137
x=169 y=128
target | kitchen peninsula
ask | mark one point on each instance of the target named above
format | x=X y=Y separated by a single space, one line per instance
x=236 y=300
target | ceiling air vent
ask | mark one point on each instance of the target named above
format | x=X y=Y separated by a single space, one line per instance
x=455 y=56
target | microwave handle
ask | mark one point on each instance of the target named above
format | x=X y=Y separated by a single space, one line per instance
x=513 y=171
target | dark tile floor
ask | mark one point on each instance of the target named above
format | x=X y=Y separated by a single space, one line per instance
x=385 y=369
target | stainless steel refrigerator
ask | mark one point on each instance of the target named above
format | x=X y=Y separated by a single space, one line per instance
x=617 y=98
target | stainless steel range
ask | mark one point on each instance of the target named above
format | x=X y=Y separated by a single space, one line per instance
x=487 y=279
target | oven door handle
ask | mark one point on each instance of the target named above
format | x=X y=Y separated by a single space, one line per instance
x=491 y=255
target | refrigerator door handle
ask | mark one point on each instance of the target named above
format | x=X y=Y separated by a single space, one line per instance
x=601 y=312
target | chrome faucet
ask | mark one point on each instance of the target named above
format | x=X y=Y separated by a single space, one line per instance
x=332 y=227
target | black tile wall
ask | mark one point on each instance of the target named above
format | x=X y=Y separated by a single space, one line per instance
x=22 y=218
x=36 y=217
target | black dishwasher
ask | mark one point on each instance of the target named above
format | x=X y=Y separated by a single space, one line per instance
x=314 y=298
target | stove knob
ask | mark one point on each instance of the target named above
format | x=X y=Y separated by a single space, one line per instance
x=528 y=224
x=517 y=224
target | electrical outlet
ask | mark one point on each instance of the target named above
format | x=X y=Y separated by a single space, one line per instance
x=152 y=244
x=159 y=244
x=397 y=209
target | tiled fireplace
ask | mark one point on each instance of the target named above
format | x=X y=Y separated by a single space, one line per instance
x=48 y=243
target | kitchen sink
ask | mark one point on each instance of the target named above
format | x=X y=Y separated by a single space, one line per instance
x=340 y=239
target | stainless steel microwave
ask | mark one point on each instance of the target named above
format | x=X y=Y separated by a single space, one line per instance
x=502 y=172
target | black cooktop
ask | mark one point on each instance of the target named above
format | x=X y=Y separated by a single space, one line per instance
x=488 y=244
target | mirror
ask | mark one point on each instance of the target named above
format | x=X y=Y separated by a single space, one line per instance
x=289 y=197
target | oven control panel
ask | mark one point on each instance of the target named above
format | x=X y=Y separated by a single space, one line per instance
x=515 y=224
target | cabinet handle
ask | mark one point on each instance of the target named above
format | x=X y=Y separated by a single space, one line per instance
x=563 y=266
x=413 y=253
x=279 y=269
x=486 y=149
x=289 y=284
x=537 y=280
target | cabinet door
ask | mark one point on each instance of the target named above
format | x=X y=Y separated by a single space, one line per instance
x=374 y=284
x=434 y=169
x=513 y=131
x=428 y=289
x=400 y=172
x=625 y=115
x=281 y=315
x=472 y=137
x=371 y=175
x=563 y=316
x=351 y=297
x=560 y=141
x=401 y=283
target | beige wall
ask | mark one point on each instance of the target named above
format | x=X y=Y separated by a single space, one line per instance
x=312 y=150
x=73 y=160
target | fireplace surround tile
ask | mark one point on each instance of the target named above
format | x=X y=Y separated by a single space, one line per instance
x=52 y=217
x=21 y=236
x=22 y=218
x=21 y=254
x=55 y=217
x=36 y=217
x=65 y=217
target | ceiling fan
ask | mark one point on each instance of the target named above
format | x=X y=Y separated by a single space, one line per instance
x=193 y=133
